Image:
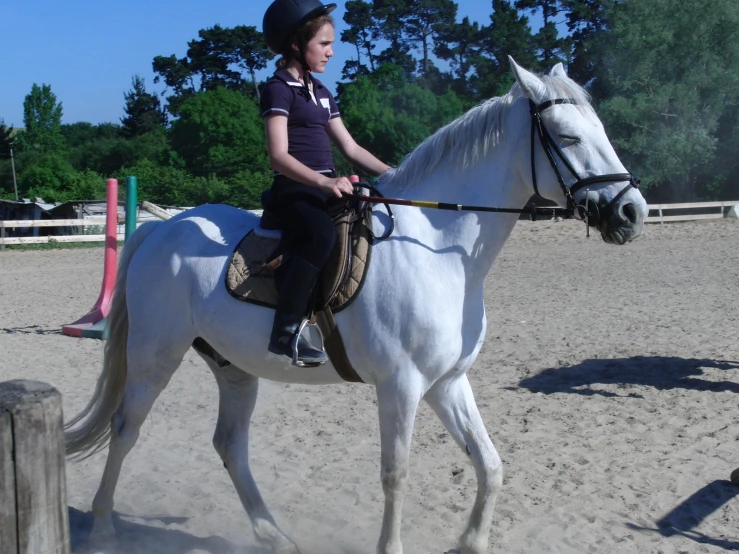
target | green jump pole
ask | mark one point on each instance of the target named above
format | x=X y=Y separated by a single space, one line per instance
x=132 y=202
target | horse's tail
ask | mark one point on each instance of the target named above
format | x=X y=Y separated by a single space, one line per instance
x=94 y=421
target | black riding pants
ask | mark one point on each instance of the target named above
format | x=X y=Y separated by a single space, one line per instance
x=309 y=231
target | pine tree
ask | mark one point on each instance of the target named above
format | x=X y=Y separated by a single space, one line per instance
x=362 y=33
x=586 y=20
x=143 y=111
x=391 y=15
x=552 y=49
x=424 y=20
x=460 y=44
x=508 y=34
x=249 y=51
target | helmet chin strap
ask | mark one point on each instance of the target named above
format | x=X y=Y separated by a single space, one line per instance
x=305 y=67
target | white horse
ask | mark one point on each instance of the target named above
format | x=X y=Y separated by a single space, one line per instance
x=413 y=332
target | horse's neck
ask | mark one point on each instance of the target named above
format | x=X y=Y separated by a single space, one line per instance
x=492 y=182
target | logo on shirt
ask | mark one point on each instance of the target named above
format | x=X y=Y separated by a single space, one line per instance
x=325 y=104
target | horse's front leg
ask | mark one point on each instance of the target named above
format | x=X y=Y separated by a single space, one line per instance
x=454 y=403
x=397 y=402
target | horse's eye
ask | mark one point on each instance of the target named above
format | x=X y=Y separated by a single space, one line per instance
x=569 y=140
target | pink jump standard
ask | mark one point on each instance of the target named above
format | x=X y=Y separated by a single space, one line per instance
x=102 y=307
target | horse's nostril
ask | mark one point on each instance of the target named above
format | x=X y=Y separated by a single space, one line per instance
x=629 y=212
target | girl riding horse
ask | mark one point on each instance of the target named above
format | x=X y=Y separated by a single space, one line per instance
x=301 y=119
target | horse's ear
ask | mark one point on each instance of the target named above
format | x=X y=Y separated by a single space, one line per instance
x=558 y=71
x=530 y=83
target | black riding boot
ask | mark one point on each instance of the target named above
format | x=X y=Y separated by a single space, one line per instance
x=292 y=307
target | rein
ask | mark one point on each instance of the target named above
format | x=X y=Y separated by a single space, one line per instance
x=532 y=209
x=591 y=218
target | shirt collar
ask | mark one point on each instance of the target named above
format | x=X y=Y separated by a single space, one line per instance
x=286 y=76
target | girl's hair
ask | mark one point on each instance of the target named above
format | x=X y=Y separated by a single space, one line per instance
x=302 y=35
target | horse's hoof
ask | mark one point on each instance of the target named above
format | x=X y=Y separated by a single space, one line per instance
x=467 y=546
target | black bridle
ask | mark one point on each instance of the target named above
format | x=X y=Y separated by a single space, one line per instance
x=573 y=209
x=550 y=148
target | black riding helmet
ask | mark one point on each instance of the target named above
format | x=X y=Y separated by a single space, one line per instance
x=283 y=17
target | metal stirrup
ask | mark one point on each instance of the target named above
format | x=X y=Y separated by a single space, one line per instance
x=296 y=341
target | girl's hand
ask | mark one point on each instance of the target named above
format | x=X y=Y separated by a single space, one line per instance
x=337 y=186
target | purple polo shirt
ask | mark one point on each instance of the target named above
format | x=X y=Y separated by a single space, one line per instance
x=307 y=117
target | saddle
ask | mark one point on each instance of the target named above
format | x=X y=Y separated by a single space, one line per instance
x=253 y=271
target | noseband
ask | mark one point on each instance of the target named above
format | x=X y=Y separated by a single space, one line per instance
x=550 y=148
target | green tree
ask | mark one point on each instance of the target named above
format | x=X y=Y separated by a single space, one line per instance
x=209 y=59
x=45 y=175
x=177 y=76
x=173 y=186
x=249 y=52
x=42 y=117
x=390 y=116
x=390 y=16
x=509 y=33
x=460 y=44
x=143 y=111
x=82 y=133
x=217 y=59
x=113 y=154
x=363 y=32
x=103 y=148
x=67 y=186
x=552 y=48
x=672 y=72
x=6 y=140
x=423 y=21
x=220 y=132
x=586 y=19
x=721 y=183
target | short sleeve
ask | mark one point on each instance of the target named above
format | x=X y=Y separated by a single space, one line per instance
x=276 y=99
x=333 y=108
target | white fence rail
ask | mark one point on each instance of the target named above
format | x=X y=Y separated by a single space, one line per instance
x=13 y=224
x=714 y=213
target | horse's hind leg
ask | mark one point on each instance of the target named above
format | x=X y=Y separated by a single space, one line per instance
x=238 y=396
x=148 y=372
x=454 y=403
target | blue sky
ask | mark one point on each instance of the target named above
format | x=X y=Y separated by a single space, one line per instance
x=88 y=50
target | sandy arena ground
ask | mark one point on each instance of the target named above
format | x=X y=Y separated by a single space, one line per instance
x=607 y=381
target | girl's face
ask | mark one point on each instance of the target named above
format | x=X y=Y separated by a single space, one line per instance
x=320 y=49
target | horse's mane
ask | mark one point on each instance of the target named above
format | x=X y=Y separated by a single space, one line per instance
x=476 y=133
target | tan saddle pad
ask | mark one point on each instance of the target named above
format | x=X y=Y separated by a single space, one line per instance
x=250 y=275
x=250 y=278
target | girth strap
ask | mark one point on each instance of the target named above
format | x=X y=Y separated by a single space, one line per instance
x=335 y=346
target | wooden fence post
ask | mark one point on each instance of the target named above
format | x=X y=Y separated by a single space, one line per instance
x=153 y=209
x=34 y=517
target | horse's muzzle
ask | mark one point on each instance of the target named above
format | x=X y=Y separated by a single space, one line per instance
x=625 y=222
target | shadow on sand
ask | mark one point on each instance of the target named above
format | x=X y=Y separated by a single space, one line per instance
x=137 y=538
x=682 y=520
x=31 y=330
x=652 y=371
